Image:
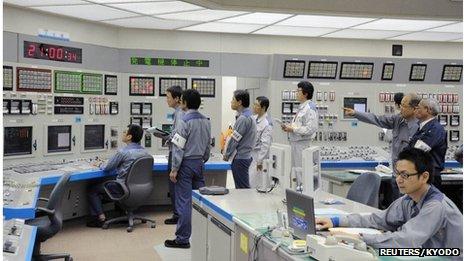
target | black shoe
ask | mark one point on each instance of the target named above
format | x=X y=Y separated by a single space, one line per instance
x=95 y=223
x=171 y=221
x=174 y=244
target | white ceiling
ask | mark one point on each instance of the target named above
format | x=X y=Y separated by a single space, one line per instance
x=179 y=15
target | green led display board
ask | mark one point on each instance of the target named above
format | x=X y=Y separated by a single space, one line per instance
x=168 y=62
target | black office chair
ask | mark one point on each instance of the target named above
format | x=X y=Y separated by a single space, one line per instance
x=365 y=189
x=51 y=220
x=136 y=188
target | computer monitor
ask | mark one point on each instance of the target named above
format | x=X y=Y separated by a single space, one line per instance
x=17 y=141
x=94 y=137
x=280 y=164
x=59 y=138
x=300 y=211
x=356 y=103
x=311 y=167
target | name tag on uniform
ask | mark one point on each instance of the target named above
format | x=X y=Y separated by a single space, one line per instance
x=236 y=136
x=179 y=141
x=422 y=146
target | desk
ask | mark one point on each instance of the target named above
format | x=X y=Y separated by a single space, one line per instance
x=22 y=190
x=21 y=240
x=221 y=223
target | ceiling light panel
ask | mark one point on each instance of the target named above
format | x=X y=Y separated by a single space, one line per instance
x=122 y=1
x=401 y=24
x=257 y=18
x=363 y=34
x=149 y=23
x=452 y=28
x=324 y=21
x=223 y=27
x=201 y=15
x=427 y=36
x=43 y=2
x=294 y=31
x=88 y=12
x=158 y=7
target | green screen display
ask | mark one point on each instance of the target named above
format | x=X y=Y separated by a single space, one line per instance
x=168 y=62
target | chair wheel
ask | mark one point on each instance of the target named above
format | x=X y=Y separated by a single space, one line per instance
x=144 y=221
x=129 y=229
x=153 y=225
x=105 y=226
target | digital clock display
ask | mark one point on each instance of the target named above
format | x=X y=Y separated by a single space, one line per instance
x=52 y=52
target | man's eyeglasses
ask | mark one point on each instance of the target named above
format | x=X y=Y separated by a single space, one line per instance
x=405 y=175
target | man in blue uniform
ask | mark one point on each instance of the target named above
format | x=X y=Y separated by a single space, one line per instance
x=121 y=162
x=243 y=139
x=423 y=217
x=431 y=136
x=190 y=151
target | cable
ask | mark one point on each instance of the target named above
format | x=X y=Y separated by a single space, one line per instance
x=276 y=182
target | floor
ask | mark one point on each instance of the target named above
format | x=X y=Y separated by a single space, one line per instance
x=115 y=244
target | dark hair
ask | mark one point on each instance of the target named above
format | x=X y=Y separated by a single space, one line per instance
x=192 y=99
x=422 y=161
x=307 y=88
x=136 y=131
x=263 y=102
x=415 y=100
x=243 y=96
x=398 y=97
x=175 y=91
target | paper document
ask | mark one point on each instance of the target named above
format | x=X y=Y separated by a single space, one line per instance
x=63 y=139
x=356 y=230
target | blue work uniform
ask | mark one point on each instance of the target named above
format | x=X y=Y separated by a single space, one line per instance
x=304 y=124
x=190 y=151
x=120 y=162
x=433 y=222
x=431 y=138
x=242 y=142
x=402 y=132
x=178 y=114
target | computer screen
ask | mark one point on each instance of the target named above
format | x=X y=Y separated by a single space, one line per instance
x=59 y=138
x=356 y=103
x=300 y=210
x=94 y=137
x=17 y=141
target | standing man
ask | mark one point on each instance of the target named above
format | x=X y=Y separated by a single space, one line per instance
x=304 y=124
x=243 y=139
x=263 y=139
x=190 y=151
x=120 y=162
x=403 y=126
x=431 y=136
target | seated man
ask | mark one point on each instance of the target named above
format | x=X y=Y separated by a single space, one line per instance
x=121 y=163
x=423 y=217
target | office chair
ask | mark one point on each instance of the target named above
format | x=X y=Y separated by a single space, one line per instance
x=51 y=220
x=365 y=189
x=137 y=186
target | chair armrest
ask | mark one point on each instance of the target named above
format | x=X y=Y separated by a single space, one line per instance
x=48 y=212
x=43 y=199
x=120 y=184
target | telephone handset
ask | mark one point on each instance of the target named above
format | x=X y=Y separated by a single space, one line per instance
x=384 y=169
x=358 y=243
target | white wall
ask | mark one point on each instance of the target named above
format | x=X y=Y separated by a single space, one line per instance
x=28 y=22
x=229 y=85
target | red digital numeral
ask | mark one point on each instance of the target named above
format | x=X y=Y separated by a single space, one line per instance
x=59 y=54
x=51 y=53
x=31 y=50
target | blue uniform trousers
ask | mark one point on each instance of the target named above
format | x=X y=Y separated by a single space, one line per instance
x=172 y=193
x=240 y=169
x=189 y=176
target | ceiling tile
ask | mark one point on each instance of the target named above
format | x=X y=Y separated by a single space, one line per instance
x=149 y=23
x=43 y=2
x=294 y=31
x=157 y=7
x=452 y=28
x=223 y=27
x=88 y=12
x=324 y=21
x=401 y=25
x=363 y=34
x=427 y=36
x=257 y=18
x=201 y=15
